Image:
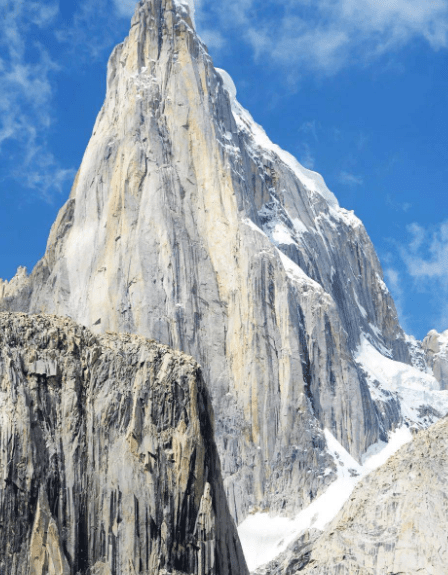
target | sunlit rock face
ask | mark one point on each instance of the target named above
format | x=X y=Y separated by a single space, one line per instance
x=187 y=225
x=395 y=521
x=107 y=462
x=435 y=346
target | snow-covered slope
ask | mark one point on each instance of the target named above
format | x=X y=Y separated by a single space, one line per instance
x=313 y=181
x=418 y=394
x=394 y=522
x=414 y=392
x=264 y=537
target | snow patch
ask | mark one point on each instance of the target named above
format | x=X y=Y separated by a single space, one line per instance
x=361 y=308
x=299 y=227
x=418 y=356
x=228 y=83
x=313 y=181
x=381 y=283
x=274 y=217
x=295 y=273
x=416 y=391
x=379 y=343
x=264 y=537
x=282 y=235
x=443 y=338
x=251 y=224
x=349 y=218
x=190 y=7
x=262 y=145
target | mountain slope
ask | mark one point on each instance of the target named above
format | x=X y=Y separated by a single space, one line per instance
x=187 y=225
x=107 y=460
x=395 y=520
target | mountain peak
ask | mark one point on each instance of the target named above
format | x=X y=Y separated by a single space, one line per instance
x=186 y=224
x=187 y=6
x=183 y=9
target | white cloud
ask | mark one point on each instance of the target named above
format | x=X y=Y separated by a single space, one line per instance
x=350 y=179
x=392 y=276
x=42 y=14
x=125 y=8
x=328 y=35
x=27 y=81
x=397 y=206
x=397 y=20
x=426 y=259
x=418 y=234
x=213 y=39
x=426 y=255
x=307 y=158
x=310 y=128
x=26 y=96
x=47 y=176
x=93 y=30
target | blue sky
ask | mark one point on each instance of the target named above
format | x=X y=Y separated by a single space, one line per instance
x=356 y=89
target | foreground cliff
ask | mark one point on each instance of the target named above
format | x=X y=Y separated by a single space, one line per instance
x=395 y=522
x=187 y=225
x=107 y=459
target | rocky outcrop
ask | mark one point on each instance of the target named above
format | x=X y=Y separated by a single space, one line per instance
x=187 y=225
x=436 y=347
x=107 y=459
x=396 y=520
x=295 y=558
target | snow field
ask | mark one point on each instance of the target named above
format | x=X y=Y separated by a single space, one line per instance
x=263 y=537
x=415 y=389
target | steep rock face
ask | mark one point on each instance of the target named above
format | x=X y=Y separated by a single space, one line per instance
x=396 y=520
x=436 y=347
x=187 y=225
x=107 y=459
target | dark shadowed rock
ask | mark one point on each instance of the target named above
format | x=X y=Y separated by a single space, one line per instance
x=108 y=464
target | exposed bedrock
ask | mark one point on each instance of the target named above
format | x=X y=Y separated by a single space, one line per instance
x=435 y=346
x=107 y=460
x=187 y=225
x=395 y=522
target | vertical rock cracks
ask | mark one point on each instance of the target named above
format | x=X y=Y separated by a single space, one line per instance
x=187 y=225
x=107 y=459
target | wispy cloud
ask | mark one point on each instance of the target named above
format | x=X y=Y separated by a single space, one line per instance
x=27 y=79
x=125 y=8
x=29 y=83
x=26 y=96
x=396 y=205
x=92 y=32
x=213 y=39
x=350 y=179
x=328 y=35
x=307 y=158
x=425 y=256
x=361 y=141
x=310 y=129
